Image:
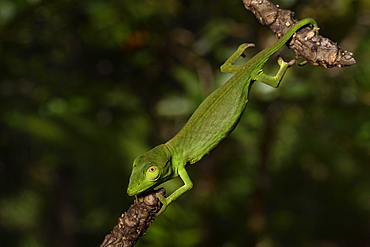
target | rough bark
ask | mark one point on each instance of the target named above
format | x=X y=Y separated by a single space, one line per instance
x=133 y=223
x=308 y=45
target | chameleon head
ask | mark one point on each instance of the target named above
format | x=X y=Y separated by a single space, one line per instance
x=150 y=170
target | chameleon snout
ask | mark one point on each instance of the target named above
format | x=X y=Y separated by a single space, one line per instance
x=130 y=192
x=132 y=189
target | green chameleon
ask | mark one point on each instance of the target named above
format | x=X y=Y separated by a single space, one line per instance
x=212 y=122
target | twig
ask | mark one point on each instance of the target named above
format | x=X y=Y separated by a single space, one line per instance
x=133 y=223
x=307 y=44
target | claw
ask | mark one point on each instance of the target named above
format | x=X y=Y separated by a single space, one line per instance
x=281 y=61
x=244 y=47
x=291 y=62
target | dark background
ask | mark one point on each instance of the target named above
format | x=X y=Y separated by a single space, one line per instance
x=86 y=86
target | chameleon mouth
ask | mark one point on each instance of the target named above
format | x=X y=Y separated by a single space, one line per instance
x=133 y=189
x=138 y=189
x=130 y=192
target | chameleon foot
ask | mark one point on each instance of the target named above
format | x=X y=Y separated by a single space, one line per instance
x=281 y=61
x=163 y=201
x=243 y=47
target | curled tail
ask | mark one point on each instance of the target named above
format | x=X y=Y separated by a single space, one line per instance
x=265 y=54
x=296 y=27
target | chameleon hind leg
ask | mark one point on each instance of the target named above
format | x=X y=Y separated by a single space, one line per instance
x=228 y=66
x=274 y=81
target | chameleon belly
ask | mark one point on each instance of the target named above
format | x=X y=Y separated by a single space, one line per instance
x=212 y=122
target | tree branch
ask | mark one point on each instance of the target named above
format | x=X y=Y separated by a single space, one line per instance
x=308 y=45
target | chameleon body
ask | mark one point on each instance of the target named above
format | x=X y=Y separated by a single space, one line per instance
x=212 y=122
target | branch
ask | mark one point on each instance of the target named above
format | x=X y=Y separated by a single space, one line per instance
x=308 y=45
x=133 y=223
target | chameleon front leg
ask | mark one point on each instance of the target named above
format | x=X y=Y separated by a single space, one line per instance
x=274 y=81
x=188 y=184
x=228 y=66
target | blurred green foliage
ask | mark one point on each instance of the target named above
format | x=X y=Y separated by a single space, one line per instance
x=86 y=86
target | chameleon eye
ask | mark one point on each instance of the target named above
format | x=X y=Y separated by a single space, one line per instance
x=153 y=173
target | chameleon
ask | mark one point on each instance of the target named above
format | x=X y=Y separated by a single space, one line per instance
x=214 y=119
